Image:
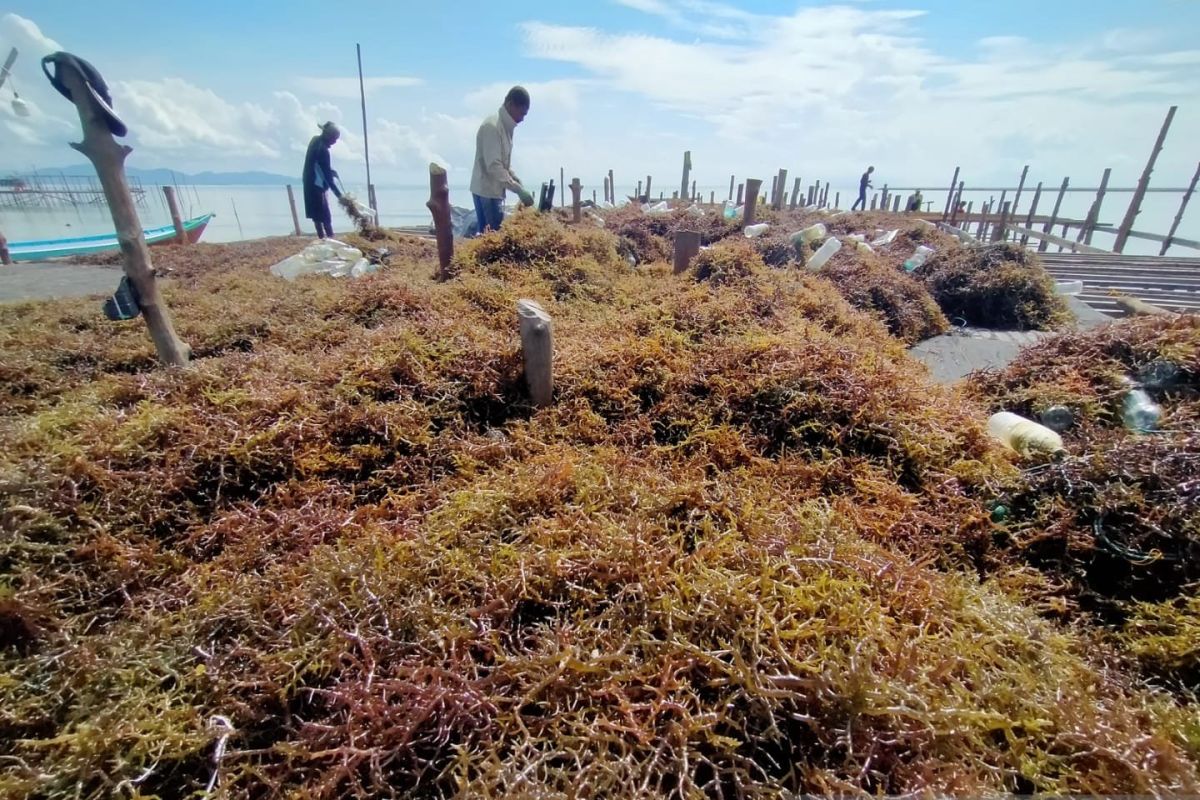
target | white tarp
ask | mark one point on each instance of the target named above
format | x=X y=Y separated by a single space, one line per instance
x=324 y=257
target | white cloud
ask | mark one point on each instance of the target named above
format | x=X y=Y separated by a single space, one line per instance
x=347 y=88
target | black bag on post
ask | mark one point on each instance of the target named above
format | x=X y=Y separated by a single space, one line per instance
x=124 y=303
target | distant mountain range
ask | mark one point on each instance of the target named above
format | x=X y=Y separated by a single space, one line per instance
x=166 y=177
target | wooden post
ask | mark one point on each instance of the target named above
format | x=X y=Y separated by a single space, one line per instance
x=562 y=181
x=606 y=188
x=883 y=202
x=593 y=196
x=648 y=189
x=1020 y=188
x=443 y=230
x=1037 y=195
x=687 y=171
x=895 y=204
x=576 y=210
x=995 y=229
x=837 y=200
x=874 y=201
x=295 y=216
x=693 y=191
x=537 y=347
x=741 y=186
x=176 y=220
x=774 y=189
x=1174 y=225
x=752 y=187
x=1135 y=204
x=781 y=190
x=795 y=193
x=612 y=188
x=1093 y=215
x=374 y=204
x=950 y=194
x=1001 y=233
x=687 y=247
x=639 y=191
x=1049 y=227
x=825 y=196
x=5 y=256
x=956 y=200
x=712 y=198
x=731 y=188
x=108 y=158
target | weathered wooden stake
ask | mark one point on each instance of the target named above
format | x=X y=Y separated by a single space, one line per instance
x=774 y=189
x=1001 y=233
x=576 y=209
x=1183 y=204
x=712 y=198
x=439 y=207
x=752 y=187
x=108 y=158
x=562 y=181
x=605 y=179
x=537 y=347
x=648 y=189
x=895 y=204
x=825 y=196
x=295 y=216
x=956 y=200
x=1049 y=227
x=593 y=196
x=795 y=193
x=374 y=204
x=693 y=191
x=995 y=229
x=612 y=188
x=883 y=202
x=639 y=191
x=1135 y=203
x=731 y=188
x=874 y=201
x=687 y=247
x=687 y=171
x=1020 y=188
x=741 y=186
x=5 y=256
x=950 y=194
x=1037 y=195
x=1093 y=215
x=781 y=190
x=837 y=200
x=176 y=220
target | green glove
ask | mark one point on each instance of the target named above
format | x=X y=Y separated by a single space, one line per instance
x=526 y=197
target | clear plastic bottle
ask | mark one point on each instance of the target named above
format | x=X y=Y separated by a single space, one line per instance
x=1159 y=374
x=1141 y=413
x=919 y=257
x=824 y=253
x=756 y=230
x=1057 y=418
x=812 y=233
x=1024 y=435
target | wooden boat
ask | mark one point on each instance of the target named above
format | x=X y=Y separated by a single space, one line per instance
x=104 y=243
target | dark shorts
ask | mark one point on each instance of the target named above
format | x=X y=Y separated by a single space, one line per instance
x=316 y=204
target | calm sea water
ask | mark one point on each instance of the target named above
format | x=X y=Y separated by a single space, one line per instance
x=251 y=212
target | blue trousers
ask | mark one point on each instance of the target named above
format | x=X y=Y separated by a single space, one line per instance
x=489 y=212
x=861 y=201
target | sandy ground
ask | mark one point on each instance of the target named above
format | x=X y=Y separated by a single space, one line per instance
x=42 y=280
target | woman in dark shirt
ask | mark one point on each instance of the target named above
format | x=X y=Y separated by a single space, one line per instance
x=317 y=177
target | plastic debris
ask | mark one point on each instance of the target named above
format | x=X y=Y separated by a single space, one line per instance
x=1024 y=435
x=826 y=251
x=1057 y=418
x=324 y=257
x=919 y=257
x=1068 y=287
x=885 y=239
x=756 y=230
x=1141 y=413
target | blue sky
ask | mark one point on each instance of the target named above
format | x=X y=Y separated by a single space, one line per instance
x=820 y=88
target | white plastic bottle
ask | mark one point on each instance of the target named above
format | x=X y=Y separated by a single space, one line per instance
x=1141 y=413
x=752 y=231
x=826 y=251
x=1024 y=435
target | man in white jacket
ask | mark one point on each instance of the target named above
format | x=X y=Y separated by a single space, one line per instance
x=493 y=174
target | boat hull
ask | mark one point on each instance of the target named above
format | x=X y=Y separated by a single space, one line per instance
x=106 y=243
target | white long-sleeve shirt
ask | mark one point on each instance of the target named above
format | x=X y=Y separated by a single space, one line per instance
x=492 y=173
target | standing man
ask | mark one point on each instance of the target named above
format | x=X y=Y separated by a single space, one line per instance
x=492 y=173
x=318 y=177
x=864 y=183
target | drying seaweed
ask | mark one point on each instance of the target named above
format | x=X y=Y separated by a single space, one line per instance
x=1000 y=286
x=909 y=311
x=342 y=554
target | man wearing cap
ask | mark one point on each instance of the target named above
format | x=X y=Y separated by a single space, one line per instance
x=318 y=177
x=493 y=174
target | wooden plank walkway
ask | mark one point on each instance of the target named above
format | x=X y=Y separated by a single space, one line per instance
x=1173 y=283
